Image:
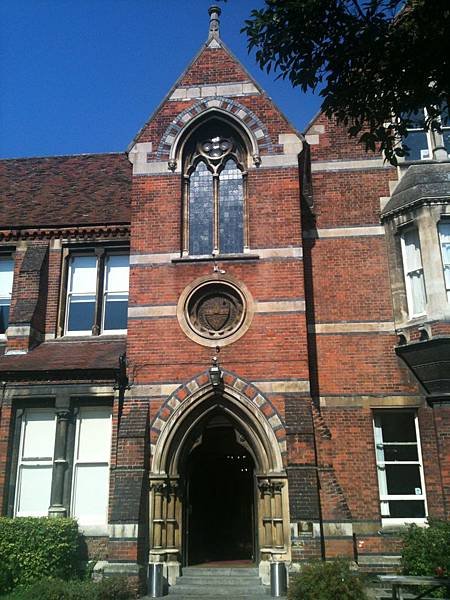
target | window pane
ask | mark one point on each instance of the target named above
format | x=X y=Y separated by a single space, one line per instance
x=117 y=273
x=6 y=276
x=83 y=274
x=446 y=134
x=116 y=312
x=90 y=495
x=38 y=434
x=408 y=509
x=398 y=426
x=417 y=292
x=201 y=211
x=403 y=480
x=417 y=143
x=412 y=250
x=34 y=487
x=81 y=313
x=4 y=315
x=94 y=434
x=401 y=453
x=231 y=209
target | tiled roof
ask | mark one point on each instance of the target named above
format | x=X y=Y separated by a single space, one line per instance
x=77 y=357
x=65 y=190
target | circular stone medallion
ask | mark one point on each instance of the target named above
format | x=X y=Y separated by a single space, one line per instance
x=214 y=312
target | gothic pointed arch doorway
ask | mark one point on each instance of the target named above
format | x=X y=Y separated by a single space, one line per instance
x=218 y=487
x=220 y=484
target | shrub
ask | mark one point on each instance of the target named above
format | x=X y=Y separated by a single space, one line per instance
x=55 y=589
x=327 y=581
x=35 y=548
x=426 y=550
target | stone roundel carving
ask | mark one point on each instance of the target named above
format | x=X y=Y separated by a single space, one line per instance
x=215 y=312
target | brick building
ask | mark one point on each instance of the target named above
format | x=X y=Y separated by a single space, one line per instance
x=230 y=342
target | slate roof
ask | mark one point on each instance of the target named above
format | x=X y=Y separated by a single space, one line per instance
x=57 y=191
x=75 y=358
x=420 y=182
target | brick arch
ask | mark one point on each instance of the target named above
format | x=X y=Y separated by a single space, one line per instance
x=254 y=127
x=234 y=386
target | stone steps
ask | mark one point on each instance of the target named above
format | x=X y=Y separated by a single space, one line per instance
x=218 y=583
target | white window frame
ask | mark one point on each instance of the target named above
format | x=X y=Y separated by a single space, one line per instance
x=33 y=462
x=106 y=292
x=408 y=272
x=442 y=224
x=5 y=299
x=83 y=463
x=381 y=473
x=429 y=137
x=97 y=300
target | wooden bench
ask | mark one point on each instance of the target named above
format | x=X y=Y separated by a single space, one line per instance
x=411 y=581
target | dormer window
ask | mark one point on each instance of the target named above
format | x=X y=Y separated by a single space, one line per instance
x=413 y=270
x=214 y=192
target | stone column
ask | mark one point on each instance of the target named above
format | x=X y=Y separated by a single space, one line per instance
x=60 y=464
x=266 y=509
x=277 y=487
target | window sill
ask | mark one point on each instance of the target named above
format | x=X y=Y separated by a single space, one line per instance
x=93 y=530
x=89 y=337
x=393 y=525
x=216 y=258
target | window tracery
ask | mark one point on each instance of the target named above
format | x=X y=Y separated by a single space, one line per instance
x=214 y=192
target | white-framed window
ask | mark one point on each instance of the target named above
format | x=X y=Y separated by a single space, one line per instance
x=6 y=283
x=90 y=484
x=444 y=238
x=35 y=463
x=420 y=142
x=90 y=448
x=399 y=465
x=413 y=270
x=97 y=303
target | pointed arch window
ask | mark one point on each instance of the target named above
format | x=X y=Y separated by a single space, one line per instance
x=214 y=193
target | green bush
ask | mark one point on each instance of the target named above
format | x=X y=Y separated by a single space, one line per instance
x=426 y=550
x=327 y=581
x=34 y=548
x=55 y=589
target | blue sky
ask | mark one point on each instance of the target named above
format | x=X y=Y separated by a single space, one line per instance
x=81 y=76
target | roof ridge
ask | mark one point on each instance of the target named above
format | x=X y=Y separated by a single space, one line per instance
x=65 y=155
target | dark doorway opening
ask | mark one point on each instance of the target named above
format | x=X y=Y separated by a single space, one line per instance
x=220 y=498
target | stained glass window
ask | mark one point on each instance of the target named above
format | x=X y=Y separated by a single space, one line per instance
x=201 y=211
x=231 y=209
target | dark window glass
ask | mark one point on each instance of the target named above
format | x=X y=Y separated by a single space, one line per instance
x=400 y=453
x=201 y=211
x=398 y=427
x=4 y=315
x=81 y=313
x=231 y=209
x=446 y=134
x=403 y=480
x=417 y=144
x=407 y=509
x=116 y=310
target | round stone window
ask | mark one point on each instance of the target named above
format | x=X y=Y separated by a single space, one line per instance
x=215 y=312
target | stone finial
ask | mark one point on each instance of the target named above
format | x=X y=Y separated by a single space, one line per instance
x=214 y=22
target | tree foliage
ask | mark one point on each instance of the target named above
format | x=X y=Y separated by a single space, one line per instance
x=374 y=62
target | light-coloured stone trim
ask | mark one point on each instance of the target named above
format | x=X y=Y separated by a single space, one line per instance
x=153 y=259
x=353 y=327
x=123 y=530
x=336 y=232
x=222 y=89
x=291 y=143
x=280 y=306
x=163 y=310
x=269 y=161
x=154 y=390
x=59 y=391
x=349 y=165
x=283 y=386
x=289 y=252
x=372 y=401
